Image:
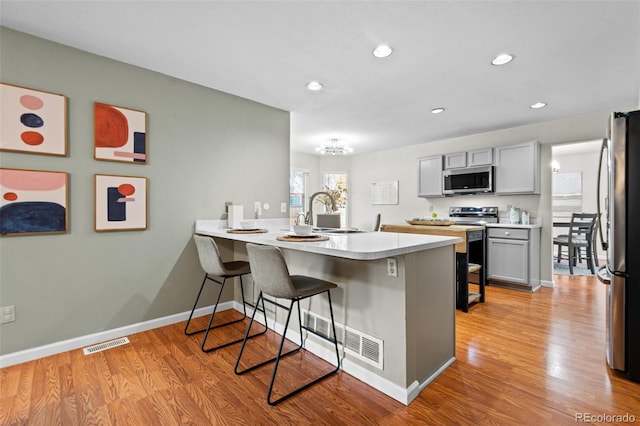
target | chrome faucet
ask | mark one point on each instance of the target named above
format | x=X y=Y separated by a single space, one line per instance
x=309 y=217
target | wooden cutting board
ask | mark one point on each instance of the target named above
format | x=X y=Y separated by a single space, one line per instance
x=430 y=222
x=295 y=239
x=449 y=231
x=247 y=231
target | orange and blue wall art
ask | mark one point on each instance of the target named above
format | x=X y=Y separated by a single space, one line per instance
x=119 y=134
x=33 y=121
x=121 y=203
x=33 y=202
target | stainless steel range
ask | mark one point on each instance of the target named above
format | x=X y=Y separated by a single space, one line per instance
x=473 y=215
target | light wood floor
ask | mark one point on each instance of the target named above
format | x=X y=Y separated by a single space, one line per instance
x=535 y=359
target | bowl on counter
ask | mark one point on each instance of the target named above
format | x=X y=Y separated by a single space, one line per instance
x=302 y=230
x=249 y=224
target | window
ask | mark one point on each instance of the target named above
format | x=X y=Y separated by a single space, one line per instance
x=336 y=183
x=297 y=192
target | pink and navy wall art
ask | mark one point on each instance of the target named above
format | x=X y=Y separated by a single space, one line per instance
x=33 y=202
x=120 y=134
x=121 y=203
x=32 y=121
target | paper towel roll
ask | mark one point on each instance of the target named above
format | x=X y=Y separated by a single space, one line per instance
x=235 y=216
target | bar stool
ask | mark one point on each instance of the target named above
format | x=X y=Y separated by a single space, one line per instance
x=271 y=274
x=213 y=266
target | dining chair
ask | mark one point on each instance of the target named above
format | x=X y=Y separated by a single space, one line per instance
x=376 y=227
x=581 y=236
x=271 y=275
x=214 y=269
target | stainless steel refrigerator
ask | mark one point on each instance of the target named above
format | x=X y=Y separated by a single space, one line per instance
x=620 y=236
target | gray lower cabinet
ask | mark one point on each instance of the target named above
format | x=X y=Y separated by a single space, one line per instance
x=513 y=257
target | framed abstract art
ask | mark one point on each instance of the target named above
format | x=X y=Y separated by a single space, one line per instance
x=120 y=203
x=33 y=121
x=33 y=202
x=120 y=134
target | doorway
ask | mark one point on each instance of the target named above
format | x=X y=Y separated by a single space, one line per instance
x=574 y=184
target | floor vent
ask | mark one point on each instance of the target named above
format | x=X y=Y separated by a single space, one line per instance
x=105 y=345
x=360 y=345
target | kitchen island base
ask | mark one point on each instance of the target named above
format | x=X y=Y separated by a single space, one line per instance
x=411 y=315
x=404 y=325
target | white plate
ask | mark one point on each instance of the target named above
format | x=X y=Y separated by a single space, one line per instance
x=293 y=234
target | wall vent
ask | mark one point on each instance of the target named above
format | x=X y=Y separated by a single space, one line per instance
x=360 y=345
x=105 y=345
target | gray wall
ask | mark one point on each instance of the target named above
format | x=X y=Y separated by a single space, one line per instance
x=205 y=147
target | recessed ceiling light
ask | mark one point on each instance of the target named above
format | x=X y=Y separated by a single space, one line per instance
x=503 y=58
x=314 y=85
x=437 y=110
x=538 y=105
x=382 y=51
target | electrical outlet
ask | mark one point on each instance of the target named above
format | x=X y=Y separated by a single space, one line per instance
x=283 y=207
x=392 y=267
x=8 y=314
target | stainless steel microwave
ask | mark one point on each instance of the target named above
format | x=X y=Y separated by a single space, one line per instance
x=467 y=181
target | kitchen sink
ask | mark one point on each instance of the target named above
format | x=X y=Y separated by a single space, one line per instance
x=337 y=231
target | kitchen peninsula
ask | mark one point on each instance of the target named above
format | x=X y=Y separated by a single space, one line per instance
x=402 y=319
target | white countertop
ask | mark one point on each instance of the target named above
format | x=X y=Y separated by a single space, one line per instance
x=513 y=225
x=357 y=246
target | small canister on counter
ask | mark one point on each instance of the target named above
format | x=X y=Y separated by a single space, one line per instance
x=525 y=217
x=514 y=216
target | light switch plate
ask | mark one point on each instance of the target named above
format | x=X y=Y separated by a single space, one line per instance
x=8 y=314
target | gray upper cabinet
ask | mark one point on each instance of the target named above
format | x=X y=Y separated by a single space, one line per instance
x=518 y=168
x=480 y=157
x=477 y=157
x=456 y=160
x=430 y=176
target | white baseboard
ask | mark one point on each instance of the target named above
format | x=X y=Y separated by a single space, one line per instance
x=414 y=391
x=545 y=283
x=399 y=393
x=91 y=339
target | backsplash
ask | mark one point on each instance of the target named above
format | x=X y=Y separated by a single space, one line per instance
x=529 y=203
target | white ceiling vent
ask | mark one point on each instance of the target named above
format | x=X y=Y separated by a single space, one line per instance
x=360 y=345
x=105 y=345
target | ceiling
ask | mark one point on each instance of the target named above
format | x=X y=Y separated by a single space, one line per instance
x=578 y=56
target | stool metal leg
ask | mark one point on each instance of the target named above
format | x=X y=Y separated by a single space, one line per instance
x=215 y=308
x=246 y=337
x=280 y=355
x=186 y=328
x=313 y=382
x=209 y=327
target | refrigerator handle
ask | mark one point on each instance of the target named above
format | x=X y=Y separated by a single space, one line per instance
x=605 y=244
x=603 y=275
